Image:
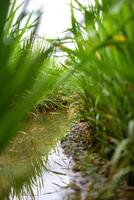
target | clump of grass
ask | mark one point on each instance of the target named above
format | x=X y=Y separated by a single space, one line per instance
x=25 y=75
x=103 y=60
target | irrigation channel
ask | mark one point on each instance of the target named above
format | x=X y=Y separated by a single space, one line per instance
x=34 y=166
x=56 y=177
x=41 y=163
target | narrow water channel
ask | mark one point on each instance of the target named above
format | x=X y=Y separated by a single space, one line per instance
x=55 y=176
x=34 y=167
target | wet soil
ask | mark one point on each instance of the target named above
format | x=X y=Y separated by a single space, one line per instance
x=89 y=175
x=91 y=172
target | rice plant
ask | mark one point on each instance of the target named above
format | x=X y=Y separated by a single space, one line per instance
x=101 y=64
x=25 y=75
x=103 y=60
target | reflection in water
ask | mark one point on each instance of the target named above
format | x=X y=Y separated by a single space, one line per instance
x=27 y=168
x=55 y=178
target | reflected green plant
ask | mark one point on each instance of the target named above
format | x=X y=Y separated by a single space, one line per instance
x=23 y=162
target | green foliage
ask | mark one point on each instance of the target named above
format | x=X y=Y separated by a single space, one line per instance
x=25 y=75
x=103 y=74
x=103 y=59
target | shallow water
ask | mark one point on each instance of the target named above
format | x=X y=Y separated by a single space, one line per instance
x=33 y=166
x=55 y=176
